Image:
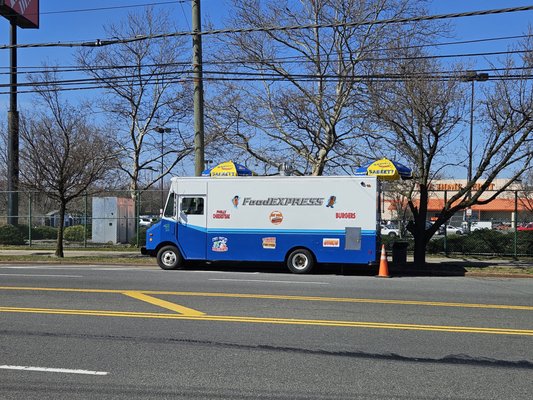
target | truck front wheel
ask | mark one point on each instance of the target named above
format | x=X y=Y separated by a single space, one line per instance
x=300 y=261
x=169 y=257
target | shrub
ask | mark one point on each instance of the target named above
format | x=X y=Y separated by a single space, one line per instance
x=9 y=234
x=525 y=243
x=23 y=229
x=43 y=232
x=74 y=233
x=142 y=237
x=486 y=241
x=435 y=246
x=483 y=241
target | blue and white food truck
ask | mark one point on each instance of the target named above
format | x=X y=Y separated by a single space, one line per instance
x=300 y=221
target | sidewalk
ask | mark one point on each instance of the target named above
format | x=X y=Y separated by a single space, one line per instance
x=479 y=261
x=134 y=253
x=468 y=266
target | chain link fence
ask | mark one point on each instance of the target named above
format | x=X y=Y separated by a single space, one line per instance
x=501 y=228
x=120 y=218
x=111 y=218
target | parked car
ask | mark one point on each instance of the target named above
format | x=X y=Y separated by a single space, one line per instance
x=502 y=226
x=477 y=225
x=450 y=230
x=526 y=227
x=147 y=220
x=390 y=231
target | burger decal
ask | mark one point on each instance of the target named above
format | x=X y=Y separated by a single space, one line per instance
x=276 y=217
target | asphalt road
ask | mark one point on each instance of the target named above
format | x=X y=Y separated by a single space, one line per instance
x=97 y=332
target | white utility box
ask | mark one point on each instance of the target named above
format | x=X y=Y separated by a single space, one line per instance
x=113 y=220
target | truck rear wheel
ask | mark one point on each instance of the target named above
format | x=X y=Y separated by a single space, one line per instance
x=169 y=257
x=300 y=261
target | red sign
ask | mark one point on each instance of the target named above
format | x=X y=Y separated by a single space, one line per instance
x=345 y=215
x=221 y=214
x=25 y=12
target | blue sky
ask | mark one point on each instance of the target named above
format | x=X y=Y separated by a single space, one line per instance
x=81 y=26
x=58 y=24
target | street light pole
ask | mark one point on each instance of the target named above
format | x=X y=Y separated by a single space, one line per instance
x=472 y=76
x=162 y=131
x=471 y=139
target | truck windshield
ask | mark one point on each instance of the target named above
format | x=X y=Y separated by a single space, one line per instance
x=170 y=211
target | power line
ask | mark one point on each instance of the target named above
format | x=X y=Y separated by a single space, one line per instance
x=288 y=60
x=299 y=59
x=170 y=77
x=107 y=42
x=160 y=3
x=80 y=10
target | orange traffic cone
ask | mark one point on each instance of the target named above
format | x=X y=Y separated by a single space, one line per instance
x=383 y=264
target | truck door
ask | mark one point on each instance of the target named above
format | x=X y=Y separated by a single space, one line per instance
x=192 y=228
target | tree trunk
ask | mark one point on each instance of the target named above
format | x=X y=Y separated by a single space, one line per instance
x=420 y=247
x=61 y=230
x=420 y=235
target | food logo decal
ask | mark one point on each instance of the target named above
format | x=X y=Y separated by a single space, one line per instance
x=269 y=243
x=331 y=202
x=276 y=217
x=331 y=242
x=220 y=244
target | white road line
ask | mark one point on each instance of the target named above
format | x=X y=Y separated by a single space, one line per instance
x=32 y=267
x=57 y=370
x=44 y=268
x=86 y=268
x=266 y=281
x=45 y=276
x=125 y=269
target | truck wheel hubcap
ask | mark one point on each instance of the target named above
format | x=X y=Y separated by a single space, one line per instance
x=300 y=261
x=169 y=258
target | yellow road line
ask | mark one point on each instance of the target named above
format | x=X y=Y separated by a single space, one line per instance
x=283 y=297
x=162 y=303
x=278 y=321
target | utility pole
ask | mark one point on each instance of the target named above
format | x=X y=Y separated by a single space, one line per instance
x=198 y=89
x=13 y=134
x=25 y=15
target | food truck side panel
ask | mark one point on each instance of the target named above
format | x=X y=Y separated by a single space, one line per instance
x=263 y=218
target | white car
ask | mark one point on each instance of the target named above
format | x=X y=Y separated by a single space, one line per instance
x=146 y=220
x=390 y=231
x=451 y=230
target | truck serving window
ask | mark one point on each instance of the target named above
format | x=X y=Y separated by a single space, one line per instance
x=192 y=205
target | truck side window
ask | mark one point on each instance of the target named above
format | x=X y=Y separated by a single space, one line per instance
x=169 y=209
x=192 y=205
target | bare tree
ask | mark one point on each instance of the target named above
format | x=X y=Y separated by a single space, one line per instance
x=308 y=108
x=526 y=189
x=62 y=155
x=146 y=90
x=423 y=109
